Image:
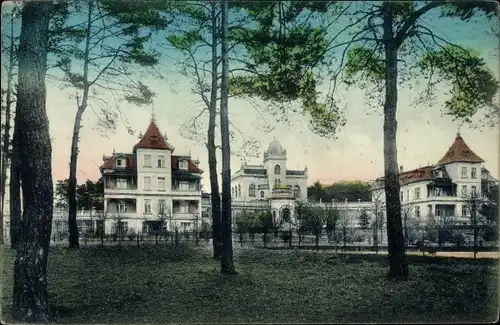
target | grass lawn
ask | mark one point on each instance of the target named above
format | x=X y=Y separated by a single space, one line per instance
x=160 y=284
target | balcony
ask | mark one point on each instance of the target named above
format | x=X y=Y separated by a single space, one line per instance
x=120 y=190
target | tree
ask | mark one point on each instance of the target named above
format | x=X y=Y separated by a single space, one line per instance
x=315 y=222
x=227 y=264
x=393 y=38
x=266 y=223
x=95 y=59
x=378 y=215
x=473 y=202
x=385 y=41
x=407 y=211
x=332 y=220
x=9 y=48
x=89 y=194
x=102 y=216
x=33 y=151
x=204 y=34
x=164 y=214
x=242 y=224
x=344 y=223
x=302 y=209
x=364 y=220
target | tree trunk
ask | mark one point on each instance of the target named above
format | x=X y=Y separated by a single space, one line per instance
x=212 y=157
x=30 y=296
x=227 y=265
x=398 y=265
x=473 y=213
x=15 y=184
x=6 y=134
x=73 y=205
x=317 y=242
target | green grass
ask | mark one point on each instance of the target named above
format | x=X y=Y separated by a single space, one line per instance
x=160 y=284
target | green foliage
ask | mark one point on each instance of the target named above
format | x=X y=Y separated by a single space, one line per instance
x=339 y=191
x=364 y=220
x=89 y=194
x=283 y=49
x=366 y=62
x=473 y=84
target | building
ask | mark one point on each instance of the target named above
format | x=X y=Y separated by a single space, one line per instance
x=443 y=189
x=151 y=186
x=269 y=184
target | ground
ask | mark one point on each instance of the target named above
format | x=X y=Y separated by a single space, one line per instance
x=161 y=284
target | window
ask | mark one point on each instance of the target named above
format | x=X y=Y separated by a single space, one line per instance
x=262 y=194
x=464 y=172
x=121 y=207
x=161 y=161
x=184 y=206
x=162 y=207
x=161 y=183
x=232 y=191
x=429 y=209
x=147 y=160
x=147 y=206
x=473 y=189
x=185 y=225
x=119 y=163
x=473 y=172
x=464 y=189
x=239 y=190
x=417 y=193
x=147 y=183
x=184 y=185
x=464 y=211
x=408 y=195
x=251 y=190
x=401 y=195
x=417 y=212
x=277 y=169
x=296 y=191
x=122 y=228
x=183 y=164
x=437 y=191
x=121 y=184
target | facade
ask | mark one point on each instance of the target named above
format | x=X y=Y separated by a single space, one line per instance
x=151 y=185
x=442 y=190
x=270 y=184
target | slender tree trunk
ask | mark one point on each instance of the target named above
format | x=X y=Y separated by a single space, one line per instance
x=15 y=184
x=474 y=223
x=227 y=265
x=317 y=241
x=6 y=130
x=30 y=296
x=73 y=204
x=212 y=157
x=398 y=265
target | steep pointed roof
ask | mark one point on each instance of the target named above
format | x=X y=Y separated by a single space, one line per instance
x=460 y=152
x=153 y=139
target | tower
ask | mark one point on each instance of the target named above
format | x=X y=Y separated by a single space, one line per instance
x=275 y=164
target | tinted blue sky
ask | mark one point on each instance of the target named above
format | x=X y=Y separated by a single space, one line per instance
x=424 y=134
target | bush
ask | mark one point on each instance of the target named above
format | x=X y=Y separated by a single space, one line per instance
x=131 y=234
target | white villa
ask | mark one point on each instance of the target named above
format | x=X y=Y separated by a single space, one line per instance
x=151 y=183
x=440 y=189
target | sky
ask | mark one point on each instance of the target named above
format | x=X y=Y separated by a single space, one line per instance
x=424 y=133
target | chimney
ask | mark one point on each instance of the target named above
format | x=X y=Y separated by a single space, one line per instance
x=400 y=169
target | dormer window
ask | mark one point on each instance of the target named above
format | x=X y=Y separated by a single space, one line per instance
x=119 y=162
x=183 y=164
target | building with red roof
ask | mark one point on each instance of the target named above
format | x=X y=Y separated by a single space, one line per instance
x=442 y=190
x=151 y=187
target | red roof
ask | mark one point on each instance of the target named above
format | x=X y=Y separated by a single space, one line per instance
x=460 y=152
x=109 y=162
x=413 y=176
x=192 y=168
x=153 y=139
